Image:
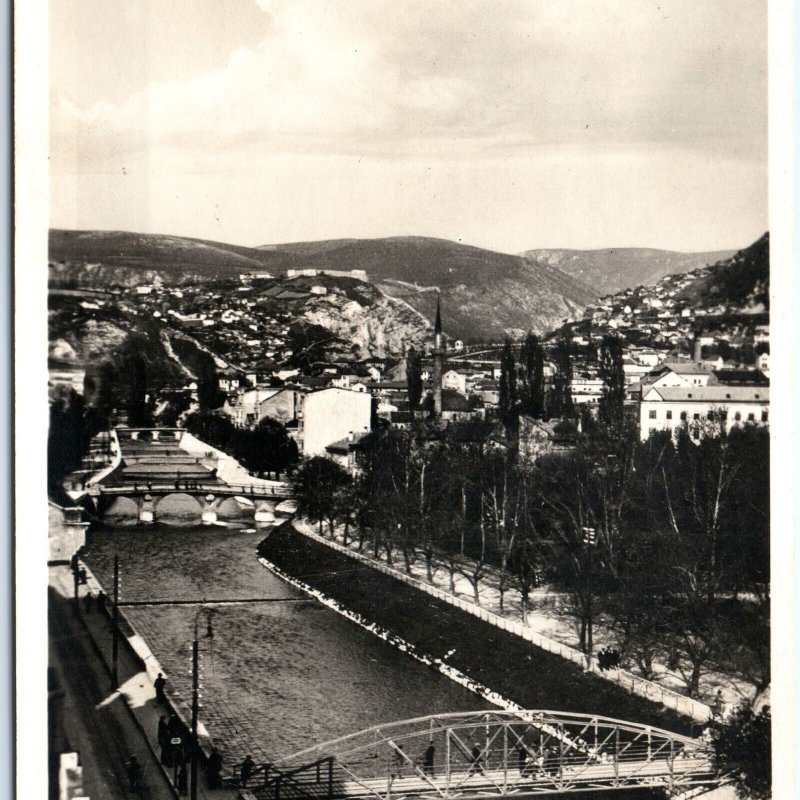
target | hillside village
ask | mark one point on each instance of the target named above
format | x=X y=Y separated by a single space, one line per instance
x=279 y=342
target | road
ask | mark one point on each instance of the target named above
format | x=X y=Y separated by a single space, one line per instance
x=98 y=725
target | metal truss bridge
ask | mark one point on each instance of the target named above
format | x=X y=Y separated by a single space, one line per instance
x=493 y=754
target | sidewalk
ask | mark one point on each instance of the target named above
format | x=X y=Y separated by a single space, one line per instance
x=135 y=676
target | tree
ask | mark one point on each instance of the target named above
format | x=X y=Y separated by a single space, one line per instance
x=267 y=448
x=318 y=487
x=414 y=378
x=743 y=747
x=68 y=436
x=209 y=395
x=507 y=405
x=561 y=396
x=531 y=390
x=612 y=374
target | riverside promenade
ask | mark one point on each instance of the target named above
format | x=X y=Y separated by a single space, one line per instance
x=542 y=629
x=136 y=670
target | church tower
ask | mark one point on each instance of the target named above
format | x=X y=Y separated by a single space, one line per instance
x=439 y=347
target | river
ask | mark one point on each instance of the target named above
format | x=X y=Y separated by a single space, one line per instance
x=278 y=676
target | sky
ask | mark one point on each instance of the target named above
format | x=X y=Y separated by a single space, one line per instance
x=500 y=123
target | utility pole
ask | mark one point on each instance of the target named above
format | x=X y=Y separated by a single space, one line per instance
x=589 y=539
x=115 y=627
x=193 y=742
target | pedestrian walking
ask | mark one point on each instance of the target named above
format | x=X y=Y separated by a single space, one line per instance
x=88 y=602
x=718 y=707
x=182 y=784
x=476 y=760
x=427 y=759
x=522 y=759
x=158 y=684
x=163 y=741
x=246 y=770
x=134 y=771
x=101 y=602
x=214 y=771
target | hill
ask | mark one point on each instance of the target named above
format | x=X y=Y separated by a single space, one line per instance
x=614 y=269
x=485 y=294
x=739 y=283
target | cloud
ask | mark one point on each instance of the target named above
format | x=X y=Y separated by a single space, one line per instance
x=374 y=76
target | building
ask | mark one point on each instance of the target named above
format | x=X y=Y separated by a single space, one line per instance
x=330 y=415
x=344 y=451
x=283 y=406
x=701 y=407
x=357 y=274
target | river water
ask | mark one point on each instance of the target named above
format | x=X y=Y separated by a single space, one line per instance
x=278 y=676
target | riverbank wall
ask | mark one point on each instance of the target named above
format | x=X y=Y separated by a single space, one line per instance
x=513 y=668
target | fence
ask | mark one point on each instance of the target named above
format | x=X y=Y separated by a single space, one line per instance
x=632 y=683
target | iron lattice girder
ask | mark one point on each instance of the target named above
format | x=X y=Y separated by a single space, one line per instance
x=506 y=754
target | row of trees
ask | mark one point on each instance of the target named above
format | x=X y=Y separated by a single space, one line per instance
x=666 y=540
x=522 y=385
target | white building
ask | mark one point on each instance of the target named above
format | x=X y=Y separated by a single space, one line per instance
x=670 y=407
x=330 y=415
x=586 y=390
x=452 y=379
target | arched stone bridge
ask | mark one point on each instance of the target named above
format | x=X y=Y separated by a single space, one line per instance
x=153 y=465
x=494 y=754
x=209 y=497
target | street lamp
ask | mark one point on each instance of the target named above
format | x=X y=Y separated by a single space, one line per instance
x=193 y=744
x=589 y=541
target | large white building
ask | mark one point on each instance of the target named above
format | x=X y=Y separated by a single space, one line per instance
x=330 y=415
x=700 y=407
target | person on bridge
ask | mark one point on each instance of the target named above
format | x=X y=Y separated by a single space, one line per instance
x=476 y=760
x=427 y=759
x=522 y=759
x=246 y=770
x=101 y=601
x=88 y=602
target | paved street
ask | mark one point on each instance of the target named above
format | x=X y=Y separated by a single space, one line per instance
x=98 y=724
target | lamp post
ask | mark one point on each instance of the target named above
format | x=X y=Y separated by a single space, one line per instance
x=589 y=541
x=193 y=745
x=115 y=628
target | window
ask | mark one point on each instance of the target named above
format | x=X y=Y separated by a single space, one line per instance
x=751 y=417
x=710 y=415
x=653 y=413
x=697 y=416
x=765 y=416
x=738 y=416
x=683 y=416
x=669 y=414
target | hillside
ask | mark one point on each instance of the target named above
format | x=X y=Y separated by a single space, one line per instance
x=727 y=302
x=485 y=294
x=614 y=269
x=739 y=283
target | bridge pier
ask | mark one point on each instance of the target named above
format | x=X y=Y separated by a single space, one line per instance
x=265 y=511
x=146 y=510
x=209 y=513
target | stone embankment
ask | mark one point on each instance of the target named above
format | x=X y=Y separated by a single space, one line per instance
x=517 y=671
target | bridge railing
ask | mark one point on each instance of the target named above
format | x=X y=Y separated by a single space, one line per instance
x=652 y=691
x=236 y=490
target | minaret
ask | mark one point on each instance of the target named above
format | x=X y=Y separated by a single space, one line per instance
x=438 y=359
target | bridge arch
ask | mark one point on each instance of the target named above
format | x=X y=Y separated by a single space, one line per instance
x=158 y=499
x=487 y=754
